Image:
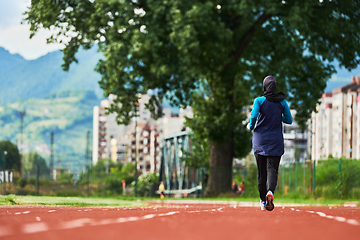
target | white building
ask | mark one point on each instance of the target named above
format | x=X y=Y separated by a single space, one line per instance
x=322 y=125
x=336 y=125
x=295 y=142
x=105 y=128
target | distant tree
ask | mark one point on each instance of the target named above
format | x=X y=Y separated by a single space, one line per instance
x=175 y=47
x=100 y=167
x=12 y=155
x=32 y=162
x=65 y=178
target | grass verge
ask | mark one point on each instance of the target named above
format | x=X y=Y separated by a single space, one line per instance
x=140 y=202
x=67 y=201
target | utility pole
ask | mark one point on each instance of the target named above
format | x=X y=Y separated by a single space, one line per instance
x=87 y=161
x=351 y=125
x=22 y=114
x=37 y=174
x=135 y=175
x=52 y=155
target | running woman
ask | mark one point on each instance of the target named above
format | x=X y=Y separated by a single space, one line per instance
x=267 y=115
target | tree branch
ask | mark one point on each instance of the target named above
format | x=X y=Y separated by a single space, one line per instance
x=246 y=38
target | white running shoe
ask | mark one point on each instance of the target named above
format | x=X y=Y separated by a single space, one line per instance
x=262 y=205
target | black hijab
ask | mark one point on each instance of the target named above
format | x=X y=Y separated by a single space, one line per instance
x=269 y=85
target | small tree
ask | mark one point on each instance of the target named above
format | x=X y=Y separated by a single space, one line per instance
x=12 y=156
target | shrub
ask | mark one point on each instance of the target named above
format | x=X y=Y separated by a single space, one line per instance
x=147 y=184
x=65 y=178
x=113 y=184
x=22 y=182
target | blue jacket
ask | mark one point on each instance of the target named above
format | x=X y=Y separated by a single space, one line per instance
x=268 y=137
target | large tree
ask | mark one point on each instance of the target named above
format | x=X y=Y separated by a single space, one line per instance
x=225 y=47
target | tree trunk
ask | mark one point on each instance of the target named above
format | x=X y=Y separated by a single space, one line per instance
x=220 y=177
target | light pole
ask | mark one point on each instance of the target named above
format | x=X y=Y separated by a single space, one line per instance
x=87 y=161
x=52 y=155
x=135 y=175
x=22 y=114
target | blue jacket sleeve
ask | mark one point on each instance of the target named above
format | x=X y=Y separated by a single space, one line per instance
x=254 y=113
x=286 y=117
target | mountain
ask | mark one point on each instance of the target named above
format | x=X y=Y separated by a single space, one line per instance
x=9 y=61
x=23 y=79
x=67 y=114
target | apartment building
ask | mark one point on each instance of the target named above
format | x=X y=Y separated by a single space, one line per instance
x=295 y=142
x=119 y=143
x=321 y=129
x=108 y=135
x=335 y=126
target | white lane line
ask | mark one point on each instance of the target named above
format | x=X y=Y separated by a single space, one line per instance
x=42 y=226
x=77 y=223
x=340 y=219
x=17 y=213
x=337 y=218
x=353 y=222
x=52 y=210
x=35 y=227
x=26 y=212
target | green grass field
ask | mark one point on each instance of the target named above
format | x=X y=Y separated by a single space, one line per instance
x=140 y=202
x=68 y=201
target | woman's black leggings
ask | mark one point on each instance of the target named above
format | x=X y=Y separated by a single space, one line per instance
x=267 y=173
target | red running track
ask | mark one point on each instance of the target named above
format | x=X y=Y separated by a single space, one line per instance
x=179 y=221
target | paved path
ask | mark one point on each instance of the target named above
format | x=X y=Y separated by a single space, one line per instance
x=179 y=221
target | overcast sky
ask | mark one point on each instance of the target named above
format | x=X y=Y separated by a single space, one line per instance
x=14 y=36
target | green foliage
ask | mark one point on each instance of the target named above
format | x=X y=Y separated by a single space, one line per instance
x=199 y=156
x=147 y=184
x=338 y=177
x=327 y=171
x=248 y=176
x=10 y=199
x=34 y=164
x=12 y=156
x=65 y=178
x=22 y=182
x=99 y=169
x=349 y=177
x=232 y=45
